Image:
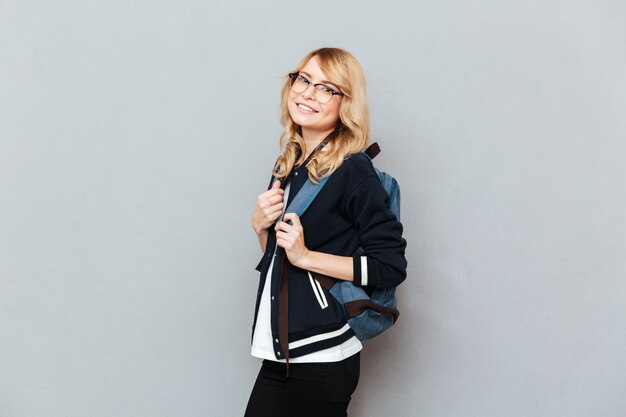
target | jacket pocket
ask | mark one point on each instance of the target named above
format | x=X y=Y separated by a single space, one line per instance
x=318 y=291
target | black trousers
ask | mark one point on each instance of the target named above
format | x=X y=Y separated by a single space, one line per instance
x=310 y=390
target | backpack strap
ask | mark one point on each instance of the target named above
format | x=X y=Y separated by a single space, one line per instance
x=305 y=196
x=372 y=150
x=356 y=307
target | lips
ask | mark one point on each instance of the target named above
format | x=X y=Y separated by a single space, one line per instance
x=306 y=109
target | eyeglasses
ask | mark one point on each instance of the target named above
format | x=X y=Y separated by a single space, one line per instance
x=323 y=93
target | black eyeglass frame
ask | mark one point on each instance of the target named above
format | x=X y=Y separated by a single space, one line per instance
x=294 y=76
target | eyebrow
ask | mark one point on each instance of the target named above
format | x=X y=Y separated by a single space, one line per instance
x=321 y=82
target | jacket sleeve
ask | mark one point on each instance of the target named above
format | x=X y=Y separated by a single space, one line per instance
x=380 y=262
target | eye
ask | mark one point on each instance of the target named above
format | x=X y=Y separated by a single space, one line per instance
x=326 y=90
x=303 y=80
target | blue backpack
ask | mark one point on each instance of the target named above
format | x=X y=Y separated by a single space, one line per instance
x=370 y=311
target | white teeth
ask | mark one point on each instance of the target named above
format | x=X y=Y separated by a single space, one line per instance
x=306 y=108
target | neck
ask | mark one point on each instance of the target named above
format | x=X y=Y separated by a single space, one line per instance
x=312 y=139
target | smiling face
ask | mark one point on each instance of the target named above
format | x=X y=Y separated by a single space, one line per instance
x=316 y=120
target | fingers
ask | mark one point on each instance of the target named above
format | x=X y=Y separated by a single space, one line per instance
x=291 y=238
x=270 y=210
x=284 y=226
x=282 y=236
x=295 y=220
x=294 y=227
x=271 y=213
x=271 y=217
x=285 y=240
x=269 y=198
x=275 y=199
x=269 y=207
x=272 y=198
x=271 y=193
x=275 y=189
x=264 y=219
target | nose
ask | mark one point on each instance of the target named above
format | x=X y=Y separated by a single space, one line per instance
x=309 y=91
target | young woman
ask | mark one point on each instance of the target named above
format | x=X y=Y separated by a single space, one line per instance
x=310 y=355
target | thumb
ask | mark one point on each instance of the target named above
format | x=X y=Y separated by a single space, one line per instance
x=276 y=185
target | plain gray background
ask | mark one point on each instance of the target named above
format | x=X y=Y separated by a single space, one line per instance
x=135 y=136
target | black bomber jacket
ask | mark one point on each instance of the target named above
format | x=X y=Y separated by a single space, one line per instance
x=349 y=211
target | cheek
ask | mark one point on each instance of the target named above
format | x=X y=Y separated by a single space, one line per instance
x=291 y=106
x=332 y=113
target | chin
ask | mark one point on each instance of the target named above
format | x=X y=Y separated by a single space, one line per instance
x=302 y=120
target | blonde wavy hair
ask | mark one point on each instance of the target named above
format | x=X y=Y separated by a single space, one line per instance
x=352 y=132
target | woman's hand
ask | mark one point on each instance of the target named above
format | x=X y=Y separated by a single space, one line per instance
x=291 y=238
x=269 y=206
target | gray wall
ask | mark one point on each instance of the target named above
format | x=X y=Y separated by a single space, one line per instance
x=134 y=137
